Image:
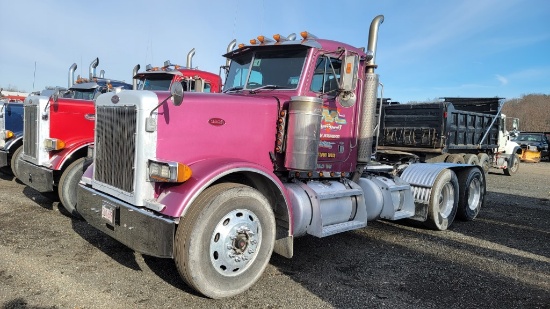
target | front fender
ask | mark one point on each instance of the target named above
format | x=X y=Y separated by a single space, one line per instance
x=177 y=198
x=67 y=154
x=13 y=143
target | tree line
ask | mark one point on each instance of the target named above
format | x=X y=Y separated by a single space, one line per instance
x=532 y=110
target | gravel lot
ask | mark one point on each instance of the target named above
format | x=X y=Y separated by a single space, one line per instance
x=501 y=260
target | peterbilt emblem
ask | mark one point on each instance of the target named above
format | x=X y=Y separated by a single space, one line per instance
x=216 y=121
x=115 y=99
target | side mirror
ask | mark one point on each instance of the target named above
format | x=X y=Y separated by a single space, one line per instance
x=55 y=96
x=177 y=93
x=515 y=123
x=348 y=73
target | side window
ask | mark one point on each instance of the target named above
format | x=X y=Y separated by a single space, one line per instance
x=207 y=87
x=326 y=75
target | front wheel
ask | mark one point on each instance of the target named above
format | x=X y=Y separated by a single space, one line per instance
x=513 y=166
x=14 y=161
x=68 y=185
x=472 y=194
x=443 y=202
x=225 y=240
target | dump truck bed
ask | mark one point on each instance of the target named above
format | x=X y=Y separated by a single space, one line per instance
x=452 y=126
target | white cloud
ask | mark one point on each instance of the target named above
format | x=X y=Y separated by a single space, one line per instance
x=503 y=80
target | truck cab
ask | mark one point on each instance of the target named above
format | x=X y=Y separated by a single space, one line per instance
x=11 y=131
x=220 y=181
x=192 y=80
x=534 y=146
x=57 y=132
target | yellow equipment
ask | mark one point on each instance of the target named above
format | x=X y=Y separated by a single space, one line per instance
x=530 y=154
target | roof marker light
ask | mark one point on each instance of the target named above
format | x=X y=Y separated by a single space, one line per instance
x=264 y=40
x=253 y=42
x=306 y=35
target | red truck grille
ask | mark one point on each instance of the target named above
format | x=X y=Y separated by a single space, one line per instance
x=30 y=131
x=115 y=146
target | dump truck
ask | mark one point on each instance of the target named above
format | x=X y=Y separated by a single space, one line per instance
x=456 y=130
x=219 y=182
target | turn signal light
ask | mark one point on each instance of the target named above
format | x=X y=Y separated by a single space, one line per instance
x=8 y=134
x=51 y=144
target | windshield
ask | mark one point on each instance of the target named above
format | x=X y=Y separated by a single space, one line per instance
x=81 y=94
x=155 y=83
x=529 y=138
x=275 y=68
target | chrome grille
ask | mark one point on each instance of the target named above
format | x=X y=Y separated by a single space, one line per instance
x=30 y=131
x=115 y=146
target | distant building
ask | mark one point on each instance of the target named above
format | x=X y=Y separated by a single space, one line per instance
x=13 y=96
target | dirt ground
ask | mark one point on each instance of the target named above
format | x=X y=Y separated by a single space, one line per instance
x=501 y=260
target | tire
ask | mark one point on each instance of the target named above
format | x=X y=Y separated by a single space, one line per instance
x=14 y=160
x=484 y=162
x=471 y=159
x=225 y=240
x=513 y=167
x=68 y=185
x=443 y=202
x=472 y=194
x=455 y=158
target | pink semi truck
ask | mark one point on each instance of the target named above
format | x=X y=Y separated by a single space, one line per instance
x=219 y=182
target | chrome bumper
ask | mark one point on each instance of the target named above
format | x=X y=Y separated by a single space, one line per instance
x=142 y=231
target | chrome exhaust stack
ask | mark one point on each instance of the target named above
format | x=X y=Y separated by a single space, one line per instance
x=134 y=73
x=72 y=68
x=190 y=58
x=230 y=47
x=368 y=105
x=93 y=65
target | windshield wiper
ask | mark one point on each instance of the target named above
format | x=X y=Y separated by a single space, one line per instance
x=233 y=89
x=255 y=90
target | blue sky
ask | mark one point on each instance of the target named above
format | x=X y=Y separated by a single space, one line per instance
x=426 y=49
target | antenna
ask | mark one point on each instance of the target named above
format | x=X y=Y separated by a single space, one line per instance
x=34 y=76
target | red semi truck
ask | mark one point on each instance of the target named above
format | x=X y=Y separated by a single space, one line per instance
x=220 y=181
x=59 y=129
x=160 y=78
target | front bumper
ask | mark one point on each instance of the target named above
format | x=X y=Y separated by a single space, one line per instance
x=140 y=230
x=4 y=158
x=35 y=176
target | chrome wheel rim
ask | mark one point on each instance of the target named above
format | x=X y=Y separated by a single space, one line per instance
x=446 y=201
x=235 y=242
x=474 y=194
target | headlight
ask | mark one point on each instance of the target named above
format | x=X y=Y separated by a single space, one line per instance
x=168 y=171
x=53 y=144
